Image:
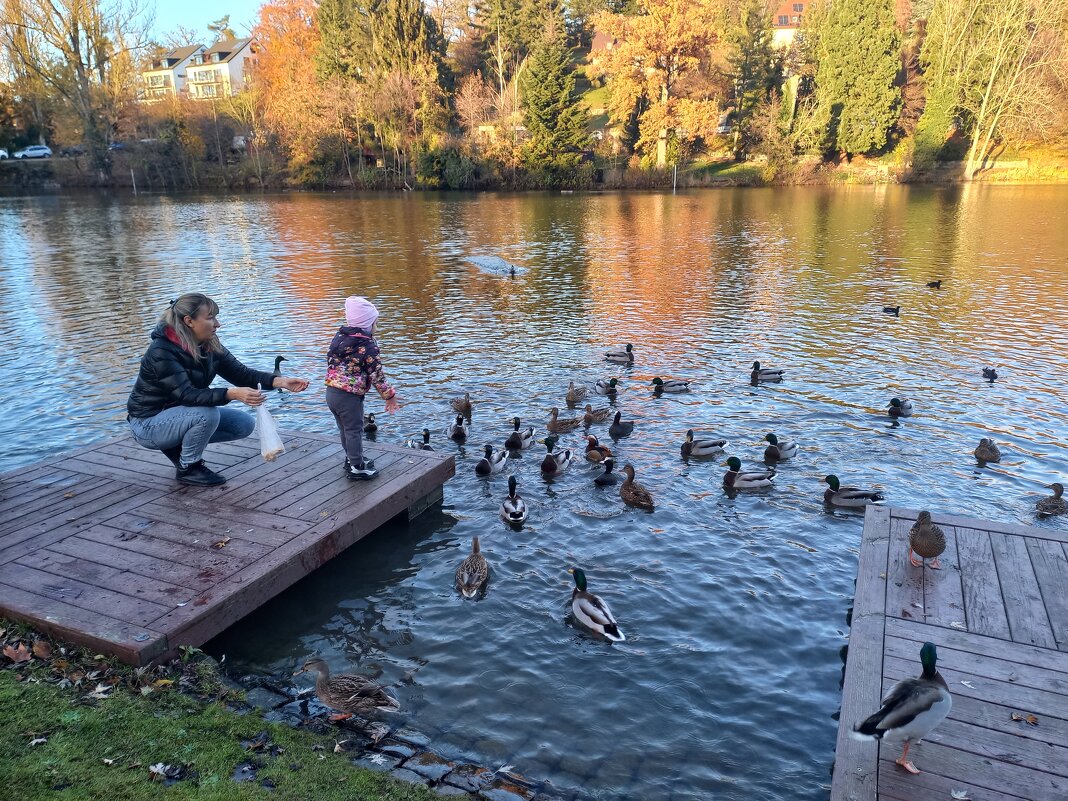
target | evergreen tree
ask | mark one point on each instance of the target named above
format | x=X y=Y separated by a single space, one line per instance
x=222 y=30
x=554 y=118
x=753 y=68
x=858 y=50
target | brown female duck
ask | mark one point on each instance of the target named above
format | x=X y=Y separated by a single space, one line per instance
x=558 y=426
x=348 y=693
x=633 y=493
x=927 y=540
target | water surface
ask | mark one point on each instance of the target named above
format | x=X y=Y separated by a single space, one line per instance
x=734 y=608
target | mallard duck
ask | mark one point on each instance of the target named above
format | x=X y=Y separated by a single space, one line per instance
x=462 y=405
x=369 y=424
x=278 y=368
x=987 y=451
x=928 y=540
x=990 y=374
x=701 y=447
x=348 y=693
x=619 y=428
x=894 y=310
x=592 y=612
x=1054 y=504
x=492 y=462
x=473 y=572
x=558 y=426
x=420 y=445
x=837 y=495
x=779 y=451
x=765 y=374
x=595 y=452
x=671 y=385
x=554 y=463
x=595 y=415
x=624 y=356
x=607 y=478
x=575 y=394
x=735 y=479
x=606 y=386
x=899 y=407
x=911 y=710
x=633 y=493
x=458 y=430
x=513 y=508
x=935 y=284
x=519 y=440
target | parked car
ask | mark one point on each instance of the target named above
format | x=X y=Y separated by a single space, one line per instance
x=34 y=152
x=3 y=153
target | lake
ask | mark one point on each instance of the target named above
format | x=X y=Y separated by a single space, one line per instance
x=735 y=608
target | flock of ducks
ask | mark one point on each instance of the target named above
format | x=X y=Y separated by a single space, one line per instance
x=911 y=709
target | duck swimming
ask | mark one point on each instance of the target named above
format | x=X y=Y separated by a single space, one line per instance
x=848 y=497
x=619 y=428
x=765 y=374
x=575 y=394
x=607 y=478
x=624 y=356
x=987 y=451
x=735 y=479
x=595 y=452
x=519 y=440
x=348 y=693
x=696 y=448
x=462 y=405
x=911 y=710
x=894 y=310
x=369 y=424
x=473 y=572
x=671 y=385
x=513 y=508
x=779 y=451
x=554 y=464
x=899 y=407
x=418 y=445
x=591 y=611
x=606 y=386
x=558 y=426
x=595 y=415
x=492 y=462
x=458 y=430
x=633 y=493
x=1055 y=503
x=990 y=374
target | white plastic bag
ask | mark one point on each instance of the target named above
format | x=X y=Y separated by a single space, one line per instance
x=270 y=443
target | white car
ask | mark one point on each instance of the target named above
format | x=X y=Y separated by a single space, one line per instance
x=3 y=153
x=34 y=152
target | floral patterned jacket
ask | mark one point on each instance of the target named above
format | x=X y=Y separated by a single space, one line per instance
x=352 y=363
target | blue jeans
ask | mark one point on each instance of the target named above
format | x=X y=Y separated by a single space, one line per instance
x=192 y=427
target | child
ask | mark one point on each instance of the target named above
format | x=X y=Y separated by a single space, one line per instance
x=352 y=367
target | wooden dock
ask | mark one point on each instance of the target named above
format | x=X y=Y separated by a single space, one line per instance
x=104 y=548
x=998 y=614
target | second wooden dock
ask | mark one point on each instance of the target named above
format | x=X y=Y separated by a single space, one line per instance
x=104 y=548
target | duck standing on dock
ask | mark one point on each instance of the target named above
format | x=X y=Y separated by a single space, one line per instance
x=348 y=693
x=927 y=540
x=473 y=572
x=591 y=611
x=1055 y=503
x=911 y=710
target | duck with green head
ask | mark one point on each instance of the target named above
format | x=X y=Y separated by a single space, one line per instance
x=554 y=464
x=760 y=374
x=492 y=462
x=591 y=611
x=900 y=407
x=693 y=448
x=420 y=445
x=519 y=440
x=848 y=497
x=606 y=386
x=513 y=508
x=671 y=385
x=624 y=355
x=778 y=451
x=911 y=709
x=735 y=479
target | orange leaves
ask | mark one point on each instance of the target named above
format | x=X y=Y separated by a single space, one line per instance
x=1029 y=719
x=19 y=654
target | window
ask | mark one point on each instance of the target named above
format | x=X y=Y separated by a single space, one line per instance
x=208 y=91
x=799 y=7
x=155 y=80
x=784 y=20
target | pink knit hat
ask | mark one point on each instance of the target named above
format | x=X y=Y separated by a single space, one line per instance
x=360 y=312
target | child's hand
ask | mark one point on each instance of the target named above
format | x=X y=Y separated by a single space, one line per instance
x=392 y=404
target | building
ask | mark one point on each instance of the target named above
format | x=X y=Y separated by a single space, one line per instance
x=220 y=71
x=785 y=22
x=167 y=76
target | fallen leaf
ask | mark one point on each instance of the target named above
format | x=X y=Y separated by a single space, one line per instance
x=917 y=605
x=162 y=682
x=20 y=654
x=61 y=664
x=2 y=633
x=146 y=690
x=76 y=677
x=968 y=684
x=101 y=691
x=158 y=772
x=906 y=613
x=68 y=494
x=959 y=795
x=339 y=746
x=220 y=544
x=42 y=650
x=108 y=762
x=958 y=625
x=38 y=741
x=1029 y=719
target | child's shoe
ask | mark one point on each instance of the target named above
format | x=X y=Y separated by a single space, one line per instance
x=363 y=472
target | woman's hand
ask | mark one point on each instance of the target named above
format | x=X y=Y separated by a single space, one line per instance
x=292 y=384
x=392 y=404
x=250 y=397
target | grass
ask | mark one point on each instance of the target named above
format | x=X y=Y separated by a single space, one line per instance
x=59 y=743
x=744 y=171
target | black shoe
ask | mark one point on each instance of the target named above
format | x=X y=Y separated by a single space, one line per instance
x=174 y=454
x=364 y=472
x=198 y=475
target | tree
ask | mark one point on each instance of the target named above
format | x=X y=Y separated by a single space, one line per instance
x=753 y=70
x=661 y=53
x=222 y=30
x=554 y=117
x=857 y=50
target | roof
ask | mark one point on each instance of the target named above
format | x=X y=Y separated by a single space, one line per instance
x=226 y=49
x=174 y=58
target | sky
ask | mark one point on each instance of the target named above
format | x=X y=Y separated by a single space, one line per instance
x=196 y=14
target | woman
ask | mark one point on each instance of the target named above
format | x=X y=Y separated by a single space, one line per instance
x=173 y=407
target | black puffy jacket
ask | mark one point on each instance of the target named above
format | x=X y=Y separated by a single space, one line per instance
x=170 y=376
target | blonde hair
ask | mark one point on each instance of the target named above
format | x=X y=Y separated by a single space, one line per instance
x=190 y=305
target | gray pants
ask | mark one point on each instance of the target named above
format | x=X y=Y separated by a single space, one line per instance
x=192 y=427
x=347 y=409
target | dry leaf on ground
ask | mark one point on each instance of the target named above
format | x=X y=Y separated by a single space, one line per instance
x=1030 y=720
x=220 y=544
x=20 y=654
x=959 y=795
x=101 y=691
x=42 y=650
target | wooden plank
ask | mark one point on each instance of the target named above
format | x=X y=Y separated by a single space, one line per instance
x=136 y=562
x=984 y=607
x=223 y=516
x=1001 y=747
x=132 y=644
x=896 y=784
x=36 y=484
x=138 y=611
x=856 y=763
x=989 y=715
x=270 y=480
x=1050 y=563
x=136 y=523
x=977 y=643
x=975 y=661
x=992 y=526
x=943 y=591
x=112 y=578
x=111 y=500
x=131 y=450
x=1024 y=608
x=59 y=504
x=216 y=563
x=904 y=583
x=342 y=492
x=205 y=526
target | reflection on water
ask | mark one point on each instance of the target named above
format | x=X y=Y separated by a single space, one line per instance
x=734 y=608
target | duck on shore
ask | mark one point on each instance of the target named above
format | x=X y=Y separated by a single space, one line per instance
x=348 y=693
